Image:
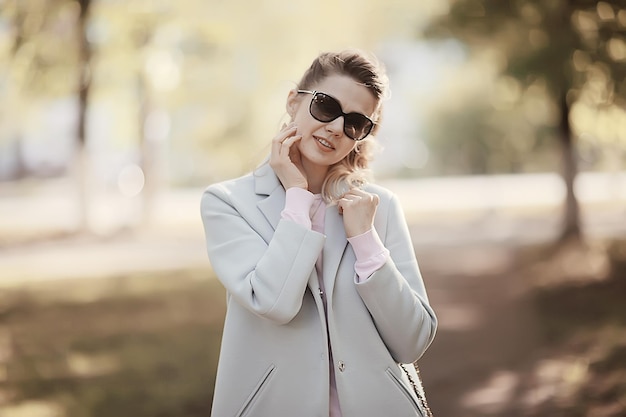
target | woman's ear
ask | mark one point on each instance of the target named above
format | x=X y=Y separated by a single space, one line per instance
x=292 y=103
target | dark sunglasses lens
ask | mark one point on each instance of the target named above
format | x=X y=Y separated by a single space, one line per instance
x=325 y=108
x=356 y=126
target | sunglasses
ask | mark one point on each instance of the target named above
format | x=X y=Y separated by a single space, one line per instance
x=325 y=108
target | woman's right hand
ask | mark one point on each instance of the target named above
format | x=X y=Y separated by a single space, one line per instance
x=285 y=158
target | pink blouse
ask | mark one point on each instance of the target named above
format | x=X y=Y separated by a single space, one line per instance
x=308 y=210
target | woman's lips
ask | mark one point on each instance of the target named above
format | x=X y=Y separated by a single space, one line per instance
x=326 y=144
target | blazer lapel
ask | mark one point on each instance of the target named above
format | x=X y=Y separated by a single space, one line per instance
x=272 y=206
x=267 y=183
x=334 y=248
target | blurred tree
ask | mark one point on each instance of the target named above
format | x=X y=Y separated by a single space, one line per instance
x=59 y=50
x=37 y=61
x=40 y=30
x=50 y=58
x=566 y=46
x=143 y=29
x=84 y=89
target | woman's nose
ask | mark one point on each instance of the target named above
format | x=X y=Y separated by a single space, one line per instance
x=335 y=127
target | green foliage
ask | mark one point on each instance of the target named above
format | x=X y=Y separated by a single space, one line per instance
x=43 y=53
x=539 y=38
x=575 y=51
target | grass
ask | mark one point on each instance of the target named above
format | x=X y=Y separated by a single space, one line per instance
x=148 y=354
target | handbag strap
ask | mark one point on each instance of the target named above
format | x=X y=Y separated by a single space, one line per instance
x=419 y=390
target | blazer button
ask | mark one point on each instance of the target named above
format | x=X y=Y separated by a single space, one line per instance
x=341 y=366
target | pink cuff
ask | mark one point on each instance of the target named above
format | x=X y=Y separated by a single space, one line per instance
x=298 y=203
x=370 y=253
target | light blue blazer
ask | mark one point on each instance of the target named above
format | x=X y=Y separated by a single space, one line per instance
x=274 y=358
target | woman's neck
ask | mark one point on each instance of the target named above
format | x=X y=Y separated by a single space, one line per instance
x=315 y=175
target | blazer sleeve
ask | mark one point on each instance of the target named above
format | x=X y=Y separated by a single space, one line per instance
x=395 y=295
x=269 y=279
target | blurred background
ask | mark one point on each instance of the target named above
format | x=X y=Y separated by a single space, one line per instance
x=504 y=138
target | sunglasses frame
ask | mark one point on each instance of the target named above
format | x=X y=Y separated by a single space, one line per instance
x=341 y=114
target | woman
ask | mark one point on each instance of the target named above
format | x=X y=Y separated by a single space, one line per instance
x=325 y=298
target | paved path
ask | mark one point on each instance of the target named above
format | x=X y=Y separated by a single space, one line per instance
x=37 y=244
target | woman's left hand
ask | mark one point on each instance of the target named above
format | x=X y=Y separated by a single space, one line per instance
x=358 y=208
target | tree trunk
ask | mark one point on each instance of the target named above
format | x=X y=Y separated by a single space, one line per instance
x=147 y=153
x=571 y=219
x=82 y=157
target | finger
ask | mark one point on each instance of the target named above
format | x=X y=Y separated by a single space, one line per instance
x=352 y=198
x=341 y=203
x=349 y=197
x=345 y=203
x=285 y=146
x=364 y=195
x=359 y=192
x=284 y=133
x=286 y=126
x=279 y=140
x=349 y=193
x=291 y=140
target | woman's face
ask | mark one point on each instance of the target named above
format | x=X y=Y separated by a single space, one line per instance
x=325 y=144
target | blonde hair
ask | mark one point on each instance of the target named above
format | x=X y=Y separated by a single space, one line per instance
x=353 y=170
